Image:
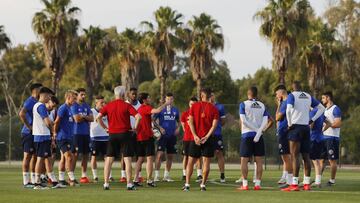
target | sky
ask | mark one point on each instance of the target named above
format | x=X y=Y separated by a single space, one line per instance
x=245 y=51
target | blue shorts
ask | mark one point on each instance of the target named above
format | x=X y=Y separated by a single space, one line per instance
x=249 y=148
x=65 y=145
x=167 y=143
x=317 y=150
x=300 y=133
x=332 y=148
x=43 y=149
x=28 y=143
x=218 y=143
x=283 y=144
x=98 y=148
x=81 y=144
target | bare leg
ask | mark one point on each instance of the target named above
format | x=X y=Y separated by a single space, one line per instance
x=169 y=160
x=138 y=166
x=190 y=168
x=244 y=167
x=259 y=167
x=149 y=167
x=206 y=169
x=107 y=168
x=127 y=161
x=333 y=168
x=85 y=158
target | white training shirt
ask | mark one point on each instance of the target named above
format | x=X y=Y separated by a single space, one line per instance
x=39 y=127
x=331 y=114
x=98 y=133
x=300 y=103
x=132 y=118
x=254 y=112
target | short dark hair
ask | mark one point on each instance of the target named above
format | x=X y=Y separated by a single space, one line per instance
x=296 y=85
x=280 y=87
x=329 y=94
x=46 y=90
x=99 y=97
x=81 y=90
x=169 y=94
x=35 y=85
x=207 y=91
x=253 y=90
x=55 y=100
x=133 y=89
x=143 y=96
x=194 y=99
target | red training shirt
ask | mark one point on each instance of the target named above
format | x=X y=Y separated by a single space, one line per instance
x=118 y=113
x=188 y=136
x=144 y=130
x=203 y=114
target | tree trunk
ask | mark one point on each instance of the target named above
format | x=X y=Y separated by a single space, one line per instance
x=55 y=82
x=162 y=89
x=282 y=77
x=198 y=88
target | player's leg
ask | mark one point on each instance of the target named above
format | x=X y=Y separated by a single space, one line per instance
x=189 y=172
x=138 y=165
x=206 y=171
x=26 y=169
x=244 y=172
x=32 y=167
x=85 y=149
x=305 y=152
x=159 y=155
x=246 y=151
x=150 y=152
x=93 y=161
x=185 y=153
x=333 y=156
x=107 y=168
x=61 y=169
x=199 y=174
x=75 y=148
x=221 y=164
x=259 y=171
x=123 y=172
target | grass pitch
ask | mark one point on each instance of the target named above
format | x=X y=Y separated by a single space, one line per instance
x=347 y=189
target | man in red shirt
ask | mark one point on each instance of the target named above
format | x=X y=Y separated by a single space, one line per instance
x=203 y=119
x=187 y=138
x=118 y=113
x=144 y=139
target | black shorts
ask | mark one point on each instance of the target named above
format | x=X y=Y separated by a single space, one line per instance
x=186 y=148
x=167 y=143
x=300 y=133
x=28 y=143
x=145 y=148
x=283 y=144
x=81 y=144
x=205 y=150
x=218 y=143
x=317 y=150
x=332 y=148
x=65 y=145
x=43 y=149
x=249 y=148
x=120 y=143
x=98 y=148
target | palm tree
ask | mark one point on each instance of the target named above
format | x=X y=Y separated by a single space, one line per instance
x=321 y=53
x=130 y=54
x=204 y=39
x=161 y=43
x=283 y=22
x=56 y=26
x=4 y=39
x=95 y=49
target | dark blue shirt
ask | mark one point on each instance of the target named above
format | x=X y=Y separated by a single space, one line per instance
x=28 y=105
x=282 y=124
x=316 y=132
x=167 y=119
x=81 y=128
x=222 y=113
x=66 y=123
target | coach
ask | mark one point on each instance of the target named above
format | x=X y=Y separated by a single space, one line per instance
x=118 y=113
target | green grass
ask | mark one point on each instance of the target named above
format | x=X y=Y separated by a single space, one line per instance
x=347 y=189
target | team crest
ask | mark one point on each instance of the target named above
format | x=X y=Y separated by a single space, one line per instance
x=219 y=142
x=31 y=149
x=280 y=146
x=331 y=152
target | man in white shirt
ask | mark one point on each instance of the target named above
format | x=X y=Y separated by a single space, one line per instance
x=253 y=121
x=298 y=108
x=99 y=137
x=331 y=133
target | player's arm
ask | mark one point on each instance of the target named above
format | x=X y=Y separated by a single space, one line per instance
x=213 y=127
x=89 y=118
x=192 y=128
x=178 y=124
x=56 y=126
x=289 y=108
x=260 y=131
x=279 y=116
x=137 y=120
x=270 y=123
x=48 y=123
x=159 y=109
x=320 y=109
x=22 y=115
x=101 y=122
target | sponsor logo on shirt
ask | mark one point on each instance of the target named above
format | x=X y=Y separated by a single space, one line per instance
x=255 y=105
x=303 y=96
